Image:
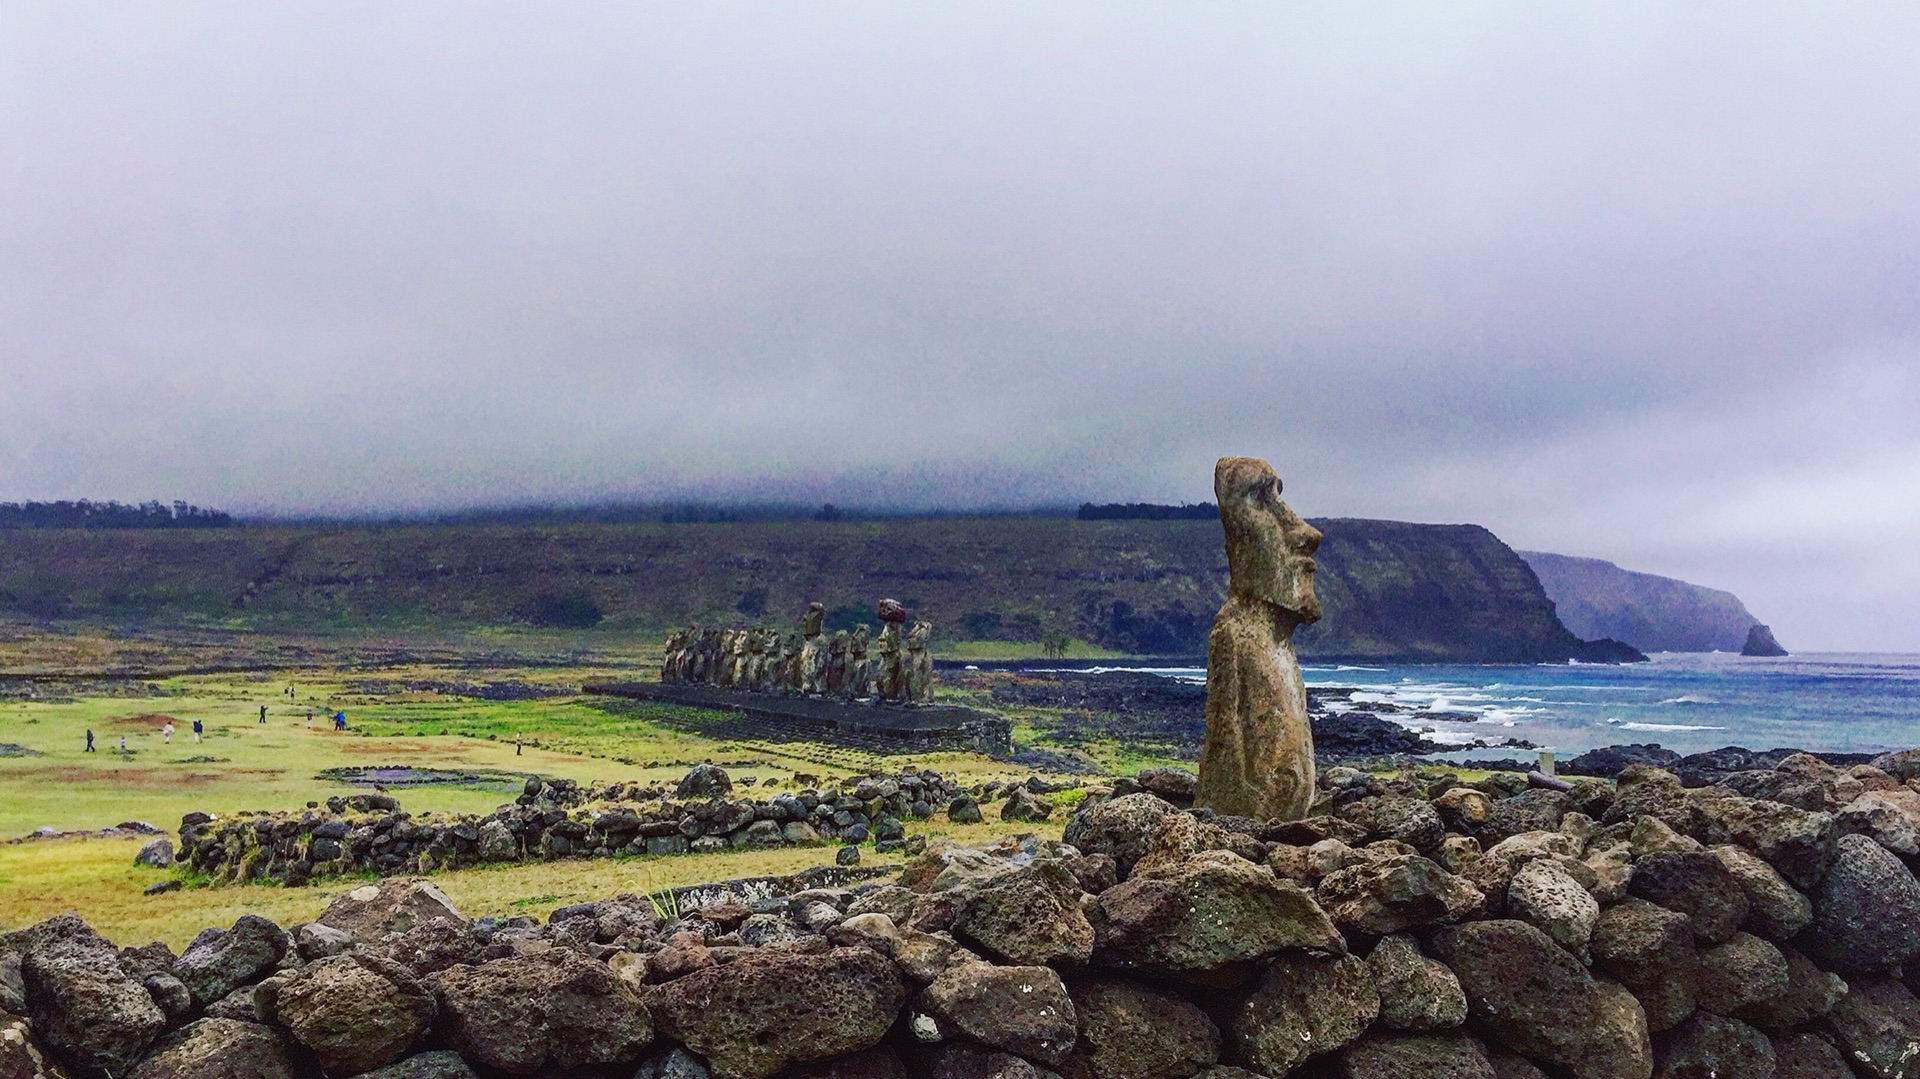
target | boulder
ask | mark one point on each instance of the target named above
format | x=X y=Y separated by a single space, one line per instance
x=767 y=1010
x=94 y=1013
x=1710 y=1046
x=1398 y=892
x=444 y=1064
x=1305 y=1005
x=1810 y=993
x=1176 y=785
x=1129 y=1031
x=1023 y=1010
x=1902 y=765
x=1024 y=805
x=1741 y=973
x=1528 y=811
x=20 y=1058
x=13 y=985
x=1866 y=913
x=1650 y=950
x=1207 y=917
x=496 y=843
x=672 y=1064
x=1028 y=917
x=1122 y=828
x=1877 y=1024
x=1808 y=1056
x=958 y=1060
x=316 y=941
x=218 y=1049
x=1889 y=818
x=356 y=1012
x=156 y=854
x=558 y=1010
x=1775 y=909
x=703 y=781
x=1696 y=884
x=876 y=1063
x=1536 y=999
x=1546 y=896
x=394 y=905
x=222 y=960
x=1416 y=1056
x=1797 y=843
x=1416 y=993
x=1412 y=821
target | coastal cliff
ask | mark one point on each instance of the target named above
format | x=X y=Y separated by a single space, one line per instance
x=1392 y=591
x=1651 y=613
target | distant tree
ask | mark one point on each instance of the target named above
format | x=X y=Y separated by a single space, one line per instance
x=752 y=602
x=570 y=610
x=1055 y=644
x=99 y=515
x=828 y=512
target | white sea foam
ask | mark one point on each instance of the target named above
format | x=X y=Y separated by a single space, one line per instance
x=1666 y=726
x=1689 y=698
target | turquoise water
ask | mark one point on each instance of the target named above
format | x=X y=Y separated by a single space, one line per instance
x=1685 y=701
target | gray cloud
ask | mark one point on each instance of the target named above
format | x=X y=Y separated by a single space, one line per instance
x=1627 y=281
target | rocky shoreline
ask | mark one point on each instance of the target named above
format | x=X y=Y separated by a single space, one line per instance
x=1412 y=927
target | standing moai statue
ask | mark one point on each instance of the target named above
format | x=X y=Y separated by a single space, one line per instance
x=859 y=683
x=705 y=655
x=1257 y=760
x=813 y=654
x=791 y=657
x=736 y=659
x=836 y=681
x=889 y=674
x=918 y=667
x=667 y=662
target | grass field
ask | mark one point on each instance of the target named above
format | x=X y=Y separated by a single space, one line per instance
x=408 y=716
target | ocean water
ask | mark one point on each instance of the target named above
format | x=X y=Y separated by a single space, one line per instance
x=1687 y=702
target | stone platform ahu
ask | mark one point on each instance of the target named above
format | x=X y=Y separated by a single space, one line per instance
x=851 y=688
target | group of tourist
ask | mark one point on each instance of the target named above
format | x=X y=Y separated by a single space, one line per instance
x=896 y=666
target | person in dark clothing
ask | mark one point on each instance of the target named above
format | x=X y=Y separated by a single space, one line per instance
x=90 y=741
x=263 y=713
x=339 y=721
x=197 y=728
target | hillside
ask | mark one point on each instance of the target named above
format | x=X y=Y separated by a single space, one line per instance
x=1653 y=614
x=1391 y=590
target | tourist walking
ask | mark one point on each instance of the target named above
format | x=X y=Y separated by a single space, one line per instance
x=89 y=741
x=309 y=719
x=339 y=721
x=166 y=732
x=123 y=743
x=196 y=732
x=263 y=713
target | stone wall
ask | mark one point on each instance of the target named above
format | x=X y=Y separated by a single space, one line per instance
x=554 y=819
x=1412 y=928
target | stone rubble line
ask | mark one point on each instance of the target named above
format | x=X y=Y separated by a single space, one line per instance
x=557 y=818
x=1764 y=926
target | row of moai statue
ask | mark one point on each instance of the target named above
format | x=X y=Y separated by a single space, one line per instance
x=895 y=667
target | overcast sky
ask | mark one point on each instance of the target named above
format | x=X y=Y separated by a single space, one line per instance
x=1635 y=282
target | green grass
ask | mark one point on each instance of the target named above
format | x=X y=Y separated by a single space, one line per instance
x=1009 y=650
x=277 y=766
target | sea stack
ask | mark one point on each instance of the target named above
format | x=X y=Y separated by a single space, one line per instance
x=1257 y=760
x=1760 y=642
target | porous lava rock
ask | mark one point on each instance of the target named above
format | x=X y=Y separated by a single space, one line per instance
x=218 y=1049
x=94 y=1013
x=1417 y=993
x=1129 y=1031
x=393 y=905
x=1650 y=949
x=1710 y=1046
x=1696 y=884
x=356 y=1012
x=557 y=1009
x=1536 y=999
x=768 y=1010
x=222 y=960
x=1030 y=916
x=1206 y=916
x=1305 y=1005
x=1401 y=891
x=1866 y=913
x=1416 y=1056
x=1122 y=828
x=1023 y=1010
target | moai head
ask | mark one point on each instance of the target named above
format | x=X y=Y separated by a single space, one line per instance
x=838 y=645
x=1269 y=547
x=919 y=636
x=857 y=644
x=810 y=622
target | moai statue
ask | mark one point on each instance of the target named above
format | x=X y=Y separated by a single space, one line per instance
x=859 y=683
x=703 y=654
x=836 y=680
x=737 y=660
x=683 y=655
x=669 y=662
x=813 y=655
x=756 y=658
x=918 y=667
x=888 y=672
x=791 y=656
x=1257 y=760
